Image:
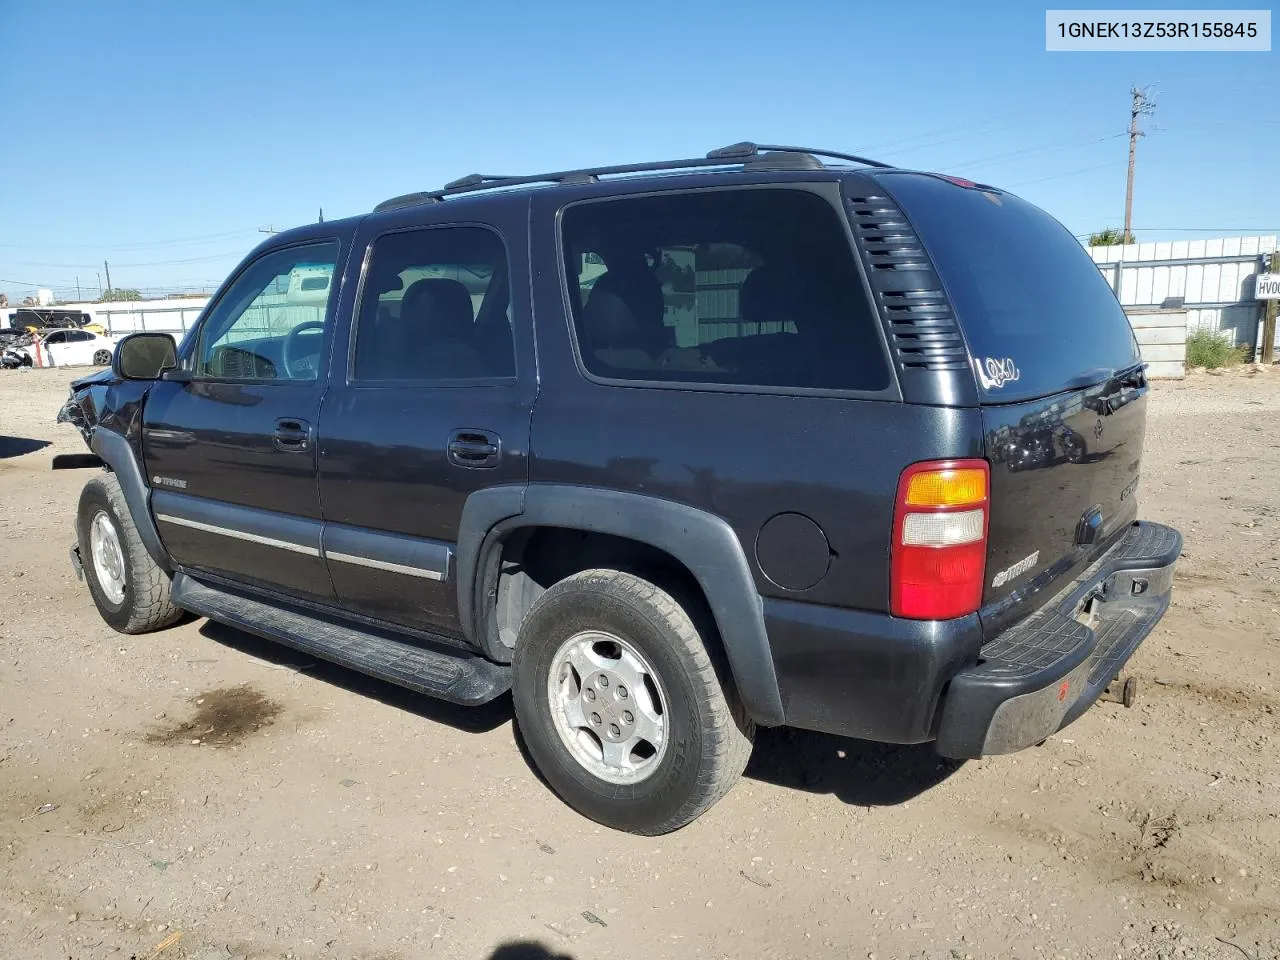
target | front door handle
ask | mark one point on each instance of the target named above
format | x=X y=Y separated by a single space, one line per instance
x=474 y=448
x=292 y=435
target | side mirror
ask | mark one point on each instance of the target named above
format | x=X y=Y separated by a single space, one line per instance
x=144 y=356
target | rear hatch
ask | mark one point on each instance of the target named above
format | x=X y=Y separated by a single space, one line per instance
x=1060 y=382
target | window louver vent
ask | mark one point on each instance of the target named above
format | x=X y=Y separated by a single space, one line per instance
x=923 y=328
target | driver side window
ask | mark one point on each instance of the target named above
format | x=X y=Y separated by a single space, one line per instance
x=270 y=323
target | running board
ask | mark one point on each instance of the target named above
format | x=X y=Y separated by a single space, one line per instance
x=448 y=674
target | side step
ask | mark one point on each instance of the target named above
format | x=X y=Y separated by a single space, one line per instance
x=448 y=674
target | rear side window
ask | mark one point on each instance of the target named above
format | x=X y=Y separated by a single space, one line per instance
x=1037 y=314
x=733 y=287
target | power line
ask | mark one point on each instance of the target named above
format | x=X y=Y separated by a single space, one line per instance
x=138 y=245
x=967 y=128
x=31 y=283
x=1029 y=151
x=149 y=263
x=1058 y=176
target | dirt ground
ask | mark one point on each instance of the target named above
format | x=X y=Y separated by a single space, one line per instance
x=201 y=794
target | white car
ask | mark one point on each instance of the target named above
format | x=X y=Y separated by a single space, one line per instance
x=67 y=348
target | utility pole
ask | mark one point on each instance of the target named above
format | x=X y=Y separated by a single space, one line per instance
x=77 y=289
x=99 y=286
x=108 y=272
x=268 y=229
x=321 y=215
x=1142 y=106
x=1268 y=354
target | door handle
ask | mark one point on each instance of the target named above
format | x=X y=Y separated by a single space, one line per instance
x=292 y=436
x=474 y=448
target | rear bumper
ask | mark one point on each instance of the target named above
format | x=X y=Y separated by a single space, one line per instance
x=1044 y=672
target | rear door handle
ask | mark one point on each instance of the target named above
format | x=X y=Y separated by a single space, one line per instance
x=292 y=436
x=474 y=448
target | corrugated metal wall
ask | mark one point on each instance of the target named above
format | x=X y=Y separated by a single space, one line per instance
x=1213 y=277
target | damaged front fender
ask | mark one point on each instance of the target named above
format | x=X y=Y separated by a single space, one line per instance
x=83 y=408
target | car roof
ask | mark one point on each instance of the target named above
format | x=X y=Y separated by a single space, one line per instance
x=744 y=157
x=745 y=162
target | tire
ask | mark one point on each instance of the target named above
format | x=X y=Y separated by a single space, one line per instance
x=705 y=734
x=102 y=357
x=138 y=601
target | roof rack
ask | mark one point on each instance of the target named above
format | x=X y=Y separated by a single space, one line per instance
x=746 y=154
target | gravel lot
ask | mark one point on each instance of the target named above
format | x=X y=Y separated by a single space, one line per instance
x=209 y=795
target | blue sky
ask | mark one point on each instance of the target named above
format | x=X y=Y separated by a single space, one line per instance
x=162 y=136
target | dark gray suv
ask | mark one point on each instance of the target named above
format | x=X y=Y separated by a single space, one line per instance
x=669 y=451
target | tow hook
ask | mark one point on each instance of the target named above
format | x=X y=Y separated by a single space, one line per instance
x=76 y=563
x=1121 y=691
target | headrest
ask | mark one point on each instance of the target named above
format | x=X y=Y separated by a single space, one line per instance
x=442 y=305
x=625 y=310
x=639 y=289
x=608 y=322
x=763 y=297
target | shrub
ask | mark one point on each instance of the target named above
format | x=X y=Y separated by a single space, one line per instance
x=1211 y=350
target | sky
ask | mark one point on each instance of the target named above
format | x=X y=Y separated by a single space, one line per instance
x=162 y=137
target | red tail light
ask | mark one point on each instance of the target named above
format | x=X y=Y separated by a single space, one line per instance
x=939 y=554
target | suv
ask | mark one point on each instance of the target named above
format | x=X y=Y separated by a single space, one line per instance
x=668 y=450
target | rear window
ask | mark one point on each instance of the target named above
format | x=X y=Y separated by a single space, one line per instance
x=729 y=287
x=1036 y=312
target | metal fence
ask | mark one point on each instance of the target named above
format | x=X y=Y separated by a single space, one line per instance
x=141 y=316
x=1211 y=279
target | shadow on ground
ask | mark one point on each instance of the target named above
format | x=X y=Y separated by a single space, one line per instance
x=467 y=719
x=17 y=446
x=526 y=950
x=857 y=772
x=76 y=461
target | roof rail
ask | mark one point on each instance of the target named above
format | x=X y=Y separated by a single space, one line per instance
x=749 y=151
x=746 y=154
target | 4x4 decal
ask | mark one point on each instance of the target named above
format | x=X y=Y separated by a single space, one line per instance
x=995 y=372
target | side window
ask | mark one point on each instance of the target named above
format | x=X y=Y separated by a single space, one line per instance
x=79 y=336
x=434 y=308
x=58 y=336
x=270 y=323
x=733 y=287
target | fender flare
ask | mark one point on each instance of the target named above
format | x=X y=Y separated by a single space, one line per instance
x=703 y=542
x=115 y=452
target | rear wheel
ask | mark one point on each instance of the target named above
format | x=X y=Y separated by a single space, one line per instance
x=129 y=589
x=621 y=706
x=102 y=357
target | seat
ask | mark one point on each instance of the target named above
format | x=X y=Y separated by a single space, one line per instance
x=611 y=332
x=622 y=320
x=436 y=328
x=766 y=296
x=769 y=295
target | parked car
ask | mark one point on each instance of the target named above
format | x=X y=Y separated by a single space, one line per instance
x=669 y=450
x=63 y=348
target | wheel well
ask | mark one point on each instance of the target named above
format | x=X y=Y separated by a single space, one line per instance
x=535 y=558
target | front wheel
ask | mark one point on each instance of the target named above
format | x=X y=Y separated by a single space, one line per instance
x=129 y=589
x=621 y=706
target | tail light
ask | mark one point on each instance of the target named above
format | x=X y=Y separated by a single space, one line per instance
x=939 y=554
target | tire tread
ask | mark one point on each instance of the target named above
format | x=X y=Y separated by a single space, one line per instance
x=727 y=731
x=147 y=590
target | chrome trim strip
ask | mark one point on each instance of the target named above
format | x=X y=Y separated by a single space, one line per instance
x=239 y=534
x=385 y=565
